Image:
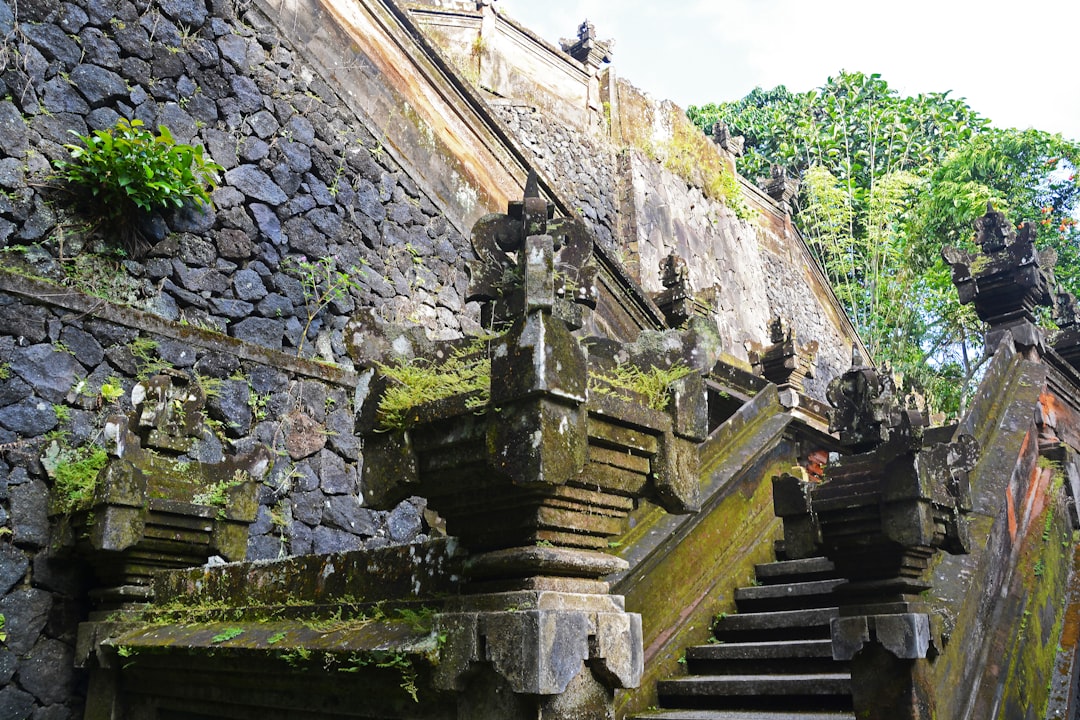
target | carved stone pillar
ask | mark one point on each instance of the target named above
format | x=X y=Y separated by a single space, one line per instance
x=533 y=476
x=154 y=507
x=880 y=515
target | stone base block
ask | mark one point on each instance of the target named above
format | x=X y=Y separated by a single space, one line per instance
x=539 y=642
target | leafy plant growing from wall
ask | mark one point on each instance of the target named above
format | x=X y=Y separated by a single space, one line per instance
x=417 y=382
x=653 y=384
x=129 y=171
x=217 y=494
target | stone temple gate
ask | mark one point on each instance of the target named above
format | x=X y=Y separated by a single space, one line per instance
x=459 y=403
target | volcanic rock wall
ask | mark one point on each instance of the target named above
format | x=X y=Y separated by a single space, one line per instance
x=225 y=294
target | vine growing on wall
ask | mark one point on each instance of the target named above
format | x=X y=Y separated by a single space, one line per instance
x=323 y=283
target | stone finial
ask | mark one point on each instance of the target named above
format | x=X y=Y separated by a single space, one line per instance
x=731 y=143
x=993 y=231
x=780 y=187
x=674 y=271
x=1066 y=341
x=865 y=410
x=780 y=331
x=586 y=48
x=530 y=260
x=168 y=410
x=677 y=300
x=1006 y=281
x=1066 y=310
x=783 y=362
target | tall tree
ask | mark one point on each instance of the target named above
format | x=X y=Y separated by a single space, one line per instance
x=887 y=179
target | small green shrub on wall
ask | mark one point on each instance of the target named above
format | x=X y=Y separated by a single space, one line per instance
x=128 y=169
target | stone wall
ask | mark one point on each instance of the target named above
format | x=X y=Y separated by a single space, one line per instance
x=506 y=60
x=747 y=270
x=57 y=358
x=303 y=177
x=224 y=294
x=744 y=271
x=582 y=167
x=311 y=192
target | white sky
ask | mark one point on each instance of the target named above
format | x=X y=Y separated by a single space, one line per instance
x=1015 y=63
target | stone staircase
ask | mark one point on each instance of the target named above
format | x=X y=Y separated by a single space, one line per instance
x=772 y=660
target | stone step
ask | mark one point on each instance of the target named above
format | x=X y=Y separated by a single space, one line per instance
x=837 y=683
x=788 y=596
x=783 y=656
x=776 y=625
x=785 y=571
x=778 y=649
x=800 y=692
x=740 y=715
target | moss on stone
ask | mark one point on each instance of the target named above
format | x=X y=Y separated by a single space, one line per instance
x=653 y=383
x=1039 y=585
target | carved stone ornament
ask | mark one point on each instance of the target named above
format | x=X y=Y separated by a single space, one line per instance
x=677 y=300
x=880 y=514
x=538 y=476
x=1006 y=281
x=152 y=508
x=780 y=187
x=1066 y=341
x=864 y=406
x=783 y=362
x=586 y=49
x=512 y=276
x=731 y=143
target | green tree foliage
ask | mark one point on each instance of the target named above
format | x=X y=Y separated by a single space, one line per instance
x=886 y=181
x=1029 y=175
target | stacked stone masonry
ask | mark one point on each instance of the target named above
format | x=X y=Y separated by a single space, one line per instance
x=306 y=187
x=746 y=272
x=303 y=180
x=582 y=166
x=56 y=365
